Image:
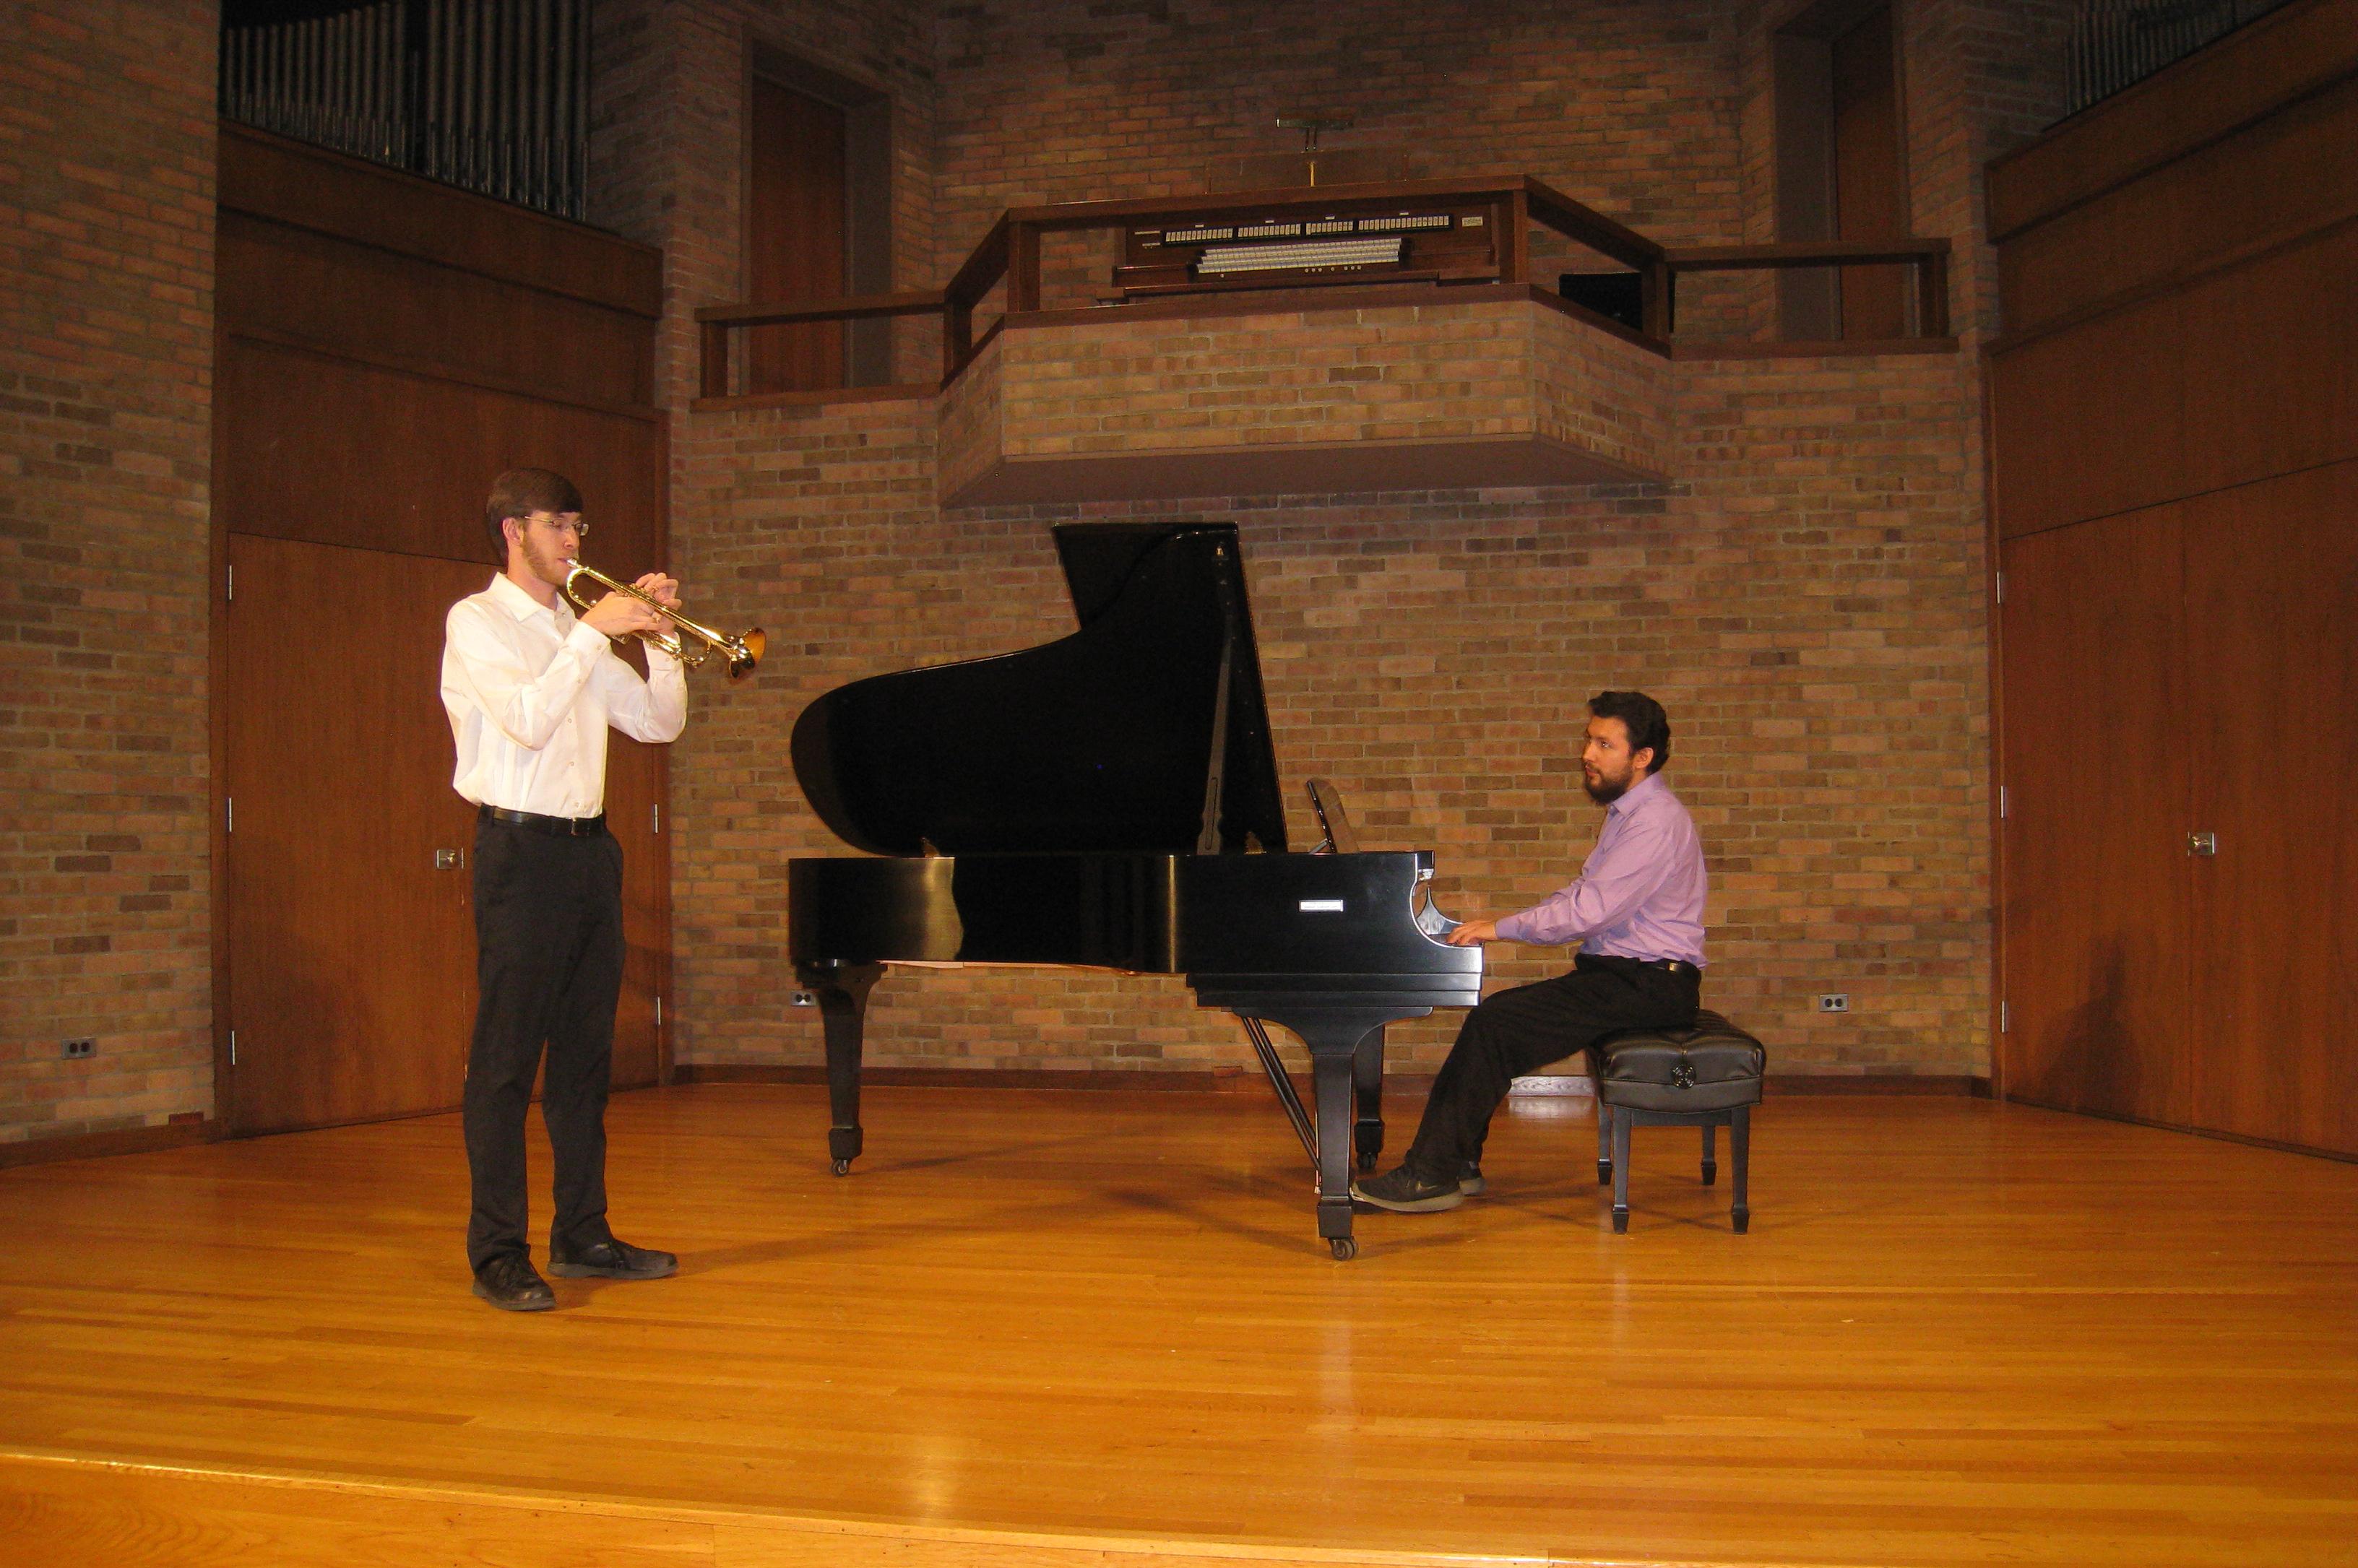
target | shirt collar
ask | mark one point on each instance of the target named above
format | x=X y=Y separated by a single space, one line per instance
x=1637 y=794
x=522 y=605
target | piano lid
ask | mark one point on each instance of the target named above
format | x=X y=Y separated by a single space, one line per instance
x=1144 y=730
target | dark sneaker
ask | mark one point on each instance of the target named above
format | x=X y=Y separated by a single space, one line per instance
x=1404 y=1191
x=611 y=1260
x=1470 y=1181
x=511 y=1283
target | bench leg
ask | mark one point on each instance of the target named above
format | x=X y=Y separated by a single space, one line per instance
x=1620 y=1172
x=1739 y=1150
x=1710 y=1153
x=1604 y=1144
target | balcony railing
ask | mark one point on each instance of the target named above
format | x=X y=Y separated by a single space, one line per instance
x=1007 y=265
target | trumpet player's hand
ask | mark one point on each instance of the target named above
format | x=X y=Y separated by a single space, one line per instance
x=663 y=591
x=618 y=615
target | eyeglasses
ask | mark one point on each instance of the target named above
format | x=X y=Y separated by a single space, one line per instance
x=574 y=527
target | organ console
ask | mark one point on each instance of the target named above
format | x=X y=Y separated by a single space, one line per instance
x=1247 y=248
x=1111 y=801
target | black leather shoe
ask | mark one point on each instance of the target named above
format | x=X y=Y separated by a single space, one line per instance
x=511 y=1283
x=1470 y=1181
x=1406 y=1192
x=611 y=1260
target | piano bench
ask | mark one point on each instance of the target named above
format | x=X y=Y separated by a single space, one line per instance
x=1708 y=1075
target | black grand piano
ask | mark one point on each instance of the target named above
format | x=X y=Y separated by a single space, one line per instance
x=1111 y=801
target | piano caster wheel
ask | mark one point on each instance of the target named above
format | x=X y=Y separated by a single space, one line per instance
x=1343 y=1247
x=843 y=1167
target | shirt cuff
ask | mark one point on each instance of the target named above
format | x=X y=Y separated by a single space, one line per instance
x=586 y=637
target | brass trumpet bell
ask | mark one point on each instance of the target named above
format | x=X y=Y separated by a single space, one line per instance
x=743 y=652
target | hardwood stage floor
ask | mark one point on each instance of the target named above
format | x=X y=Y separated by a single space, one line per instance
x=1054 y=1329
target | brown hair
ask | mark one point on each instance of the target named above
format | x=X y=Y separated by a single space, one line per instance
x=520 y=492
x=1642 y=717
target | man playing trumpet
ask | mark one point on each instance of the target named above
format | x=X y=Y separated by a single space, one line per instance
x=530 y=689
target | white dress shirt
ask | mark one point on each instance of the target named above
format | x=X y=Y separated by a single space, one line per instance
x=530 y=691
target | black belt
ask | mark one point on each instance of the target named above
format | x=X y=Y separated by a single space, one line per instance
x=1668 y=965
x=562 y=826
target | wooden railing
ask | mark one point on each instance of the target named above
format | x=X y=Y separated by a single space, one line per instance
x=1008 y=256
x=1928 y=259
x=716 y=322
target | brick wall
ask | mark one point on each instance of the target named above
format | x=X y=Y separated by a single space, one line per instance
x=1806 y=601
x=1807 y=593
x=1444 y=369
x=667 y=132
x=106 y=240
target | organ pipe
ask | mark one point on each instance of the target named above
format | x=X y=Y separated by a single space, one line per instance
x=491 y=95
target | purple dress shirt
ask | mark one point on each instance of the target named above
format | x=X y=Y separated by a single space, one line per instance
x=1641 y=893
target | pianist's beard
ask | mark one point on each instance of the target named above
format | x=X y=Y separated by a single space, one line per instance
x=1603 y=788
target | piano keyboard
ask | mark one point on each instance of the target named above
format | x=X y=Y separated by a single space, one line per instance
x=1223 y=260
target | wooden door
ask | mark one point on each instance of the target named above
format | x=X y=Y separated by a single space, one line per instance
x=2272 y=599
x=2095 y=747
x=1870 y=178
x=795 y=234
x=636 y=806
x=352 y=950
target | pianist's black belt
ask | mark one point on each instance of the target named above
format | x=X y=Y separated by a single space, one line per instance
x=1668 y=965
x=562 y=826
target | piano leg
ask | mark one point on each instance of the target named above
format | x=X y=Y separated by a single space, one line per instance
x=842 y=990
x=1342 y=1033
x=1367 y=1089
x=1333 y=1057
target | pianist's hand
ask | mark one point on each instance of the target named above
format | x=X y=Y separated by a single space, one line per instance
x=1471 y=933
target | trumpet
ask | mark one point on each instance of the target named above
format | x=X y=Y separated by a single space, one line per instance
x=744 y=651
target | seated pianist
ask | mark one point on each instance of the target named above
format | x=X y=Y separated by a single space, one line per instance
x=1636 y=909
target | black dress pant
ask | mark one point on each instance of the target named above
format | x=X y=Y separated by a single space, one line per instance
x=549 y=965
x=1518 y=1030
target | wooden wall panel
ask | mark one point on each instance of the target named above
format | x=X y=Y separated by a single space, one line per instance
x=2297 y=50
x=332 y=293
x=366 y=203
x=2093 y=913
x=2251 y=372
x=2270 y=358
x=2174 y=435
x=2088 y=422
x=2272 y=611
x=387 y=346
x=322 y=448
x=2290 y=175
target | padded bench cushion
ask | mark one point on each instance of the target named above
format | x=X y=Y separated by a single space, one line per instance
x=1713 y=1066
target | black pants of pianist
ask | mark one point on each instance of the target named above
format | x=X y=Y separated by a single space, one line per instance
x=548 y=967
x=1523 y=1030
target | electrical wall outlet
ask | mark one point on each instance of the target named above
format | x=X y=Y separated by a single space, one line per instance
x=802 y=999
x=1834 y=1001
x=82 y=1048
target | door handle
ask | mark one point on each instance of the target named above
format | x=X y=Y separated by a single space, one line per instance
x=2202 y=843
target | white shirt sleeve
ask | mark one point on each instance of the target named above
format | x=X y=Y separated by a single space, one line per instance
x=651 y=709
x=523 y=707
